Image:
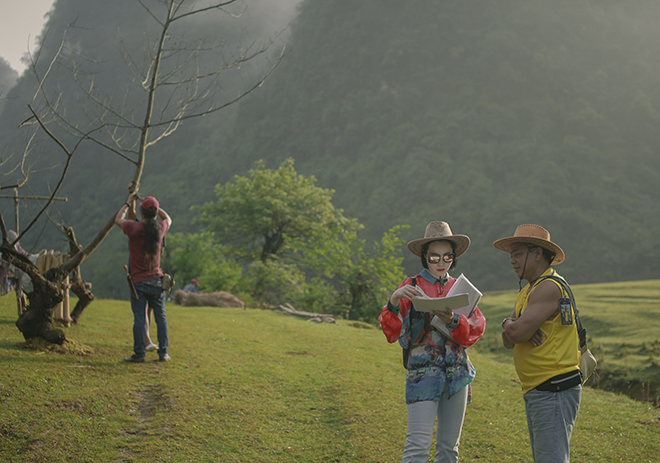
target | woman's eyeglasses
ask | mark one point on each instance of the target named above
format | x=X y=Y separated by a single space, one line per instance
x=435 y=259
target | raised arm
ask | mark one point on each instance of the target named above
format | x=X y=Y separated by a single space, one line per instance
x=121 y=214
x=164 y=216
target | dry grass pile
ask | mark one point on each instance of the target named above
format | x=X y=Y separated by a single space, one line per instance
x=215 y=299
x=70 y=346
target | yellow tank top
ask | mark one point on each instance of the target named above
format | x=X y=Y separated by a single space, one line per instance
x=558 y=354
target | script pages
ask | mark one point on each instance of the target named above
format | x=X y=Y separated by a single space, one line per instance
x=471 y=295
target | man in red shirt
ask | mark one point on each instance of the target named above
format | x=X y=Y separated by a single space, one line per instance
x=144 y=244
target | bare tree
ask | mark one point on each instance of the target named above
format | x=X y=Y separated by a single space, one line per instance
x=175 y=85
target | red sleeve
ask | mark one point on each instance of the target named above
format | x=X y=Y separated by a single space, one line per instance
x=391 y=322
x=469 y=330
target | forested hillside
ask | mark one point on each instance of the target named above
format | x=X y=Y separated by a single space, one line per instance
x=484 y=114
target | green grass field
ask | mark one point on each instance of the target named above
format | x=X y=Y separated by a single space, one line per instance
x=257 y=386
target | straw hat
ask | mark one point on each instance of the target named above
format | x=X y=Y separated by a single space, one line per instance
x=531 y=234
x=440 y=231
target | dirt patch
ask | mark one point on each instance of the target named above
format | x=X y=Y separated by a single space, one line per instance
x=654 y=422
x=298 y=352
x=74 y=405
x=362 y=325
x=152 y=400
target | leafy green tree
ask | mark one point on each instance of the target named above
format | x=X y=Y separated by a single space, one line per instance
x=369 y=274
x=263 y=215
x=297 y=247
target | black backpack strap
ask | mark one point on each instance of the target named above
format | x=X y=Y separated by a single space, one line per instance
x=582 y=332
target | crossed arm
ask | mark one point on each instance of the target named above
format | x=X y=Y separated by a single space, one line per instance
x=543 y=305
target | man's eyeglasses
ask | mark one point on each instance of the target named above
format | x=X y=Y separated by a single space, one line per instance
x=435 y=259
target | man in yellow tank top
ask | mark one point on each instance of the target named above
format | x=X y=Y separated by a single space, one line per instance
x=542 y=333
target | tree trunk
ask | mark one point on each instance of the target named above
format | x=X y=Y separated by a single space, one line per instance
x=78 y=287
x=37 y=320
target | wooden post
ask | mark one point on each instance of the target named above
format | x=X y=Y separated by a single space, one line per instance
x=65 y=295
x=41 y=261
x=65 y=302
x=56 y=261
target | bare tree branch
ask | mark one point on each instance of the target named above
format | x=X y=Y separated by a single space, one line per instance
x=174 y=84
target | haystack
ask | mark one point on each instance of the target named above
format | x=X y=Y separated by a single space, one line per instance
x=215 y=299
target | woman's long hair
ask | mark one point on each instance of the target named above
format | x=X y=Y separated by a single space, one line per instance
x=151 y=238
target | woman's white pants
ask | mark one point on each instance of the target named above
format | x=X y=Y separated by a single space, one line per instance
x=421 y=417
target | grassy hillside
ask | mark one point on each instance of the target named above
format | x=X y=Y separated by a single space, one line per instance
x=256 y=386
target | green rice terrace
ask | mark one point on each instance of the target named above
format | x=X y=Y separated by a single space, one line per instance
x=257 y=386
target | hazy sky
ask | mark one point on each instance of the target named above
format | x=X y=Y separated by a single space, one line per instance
x=20 y=23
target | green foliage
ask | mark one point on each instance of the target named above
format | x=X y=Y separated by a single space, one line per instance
x=271 y=212
x=199 y=256
x=297 y=248
x=368 y=275
x=256 y=386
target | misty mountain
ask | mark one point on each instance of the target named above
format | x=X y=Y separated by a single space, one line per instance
x=486 y=115
x=8 y=78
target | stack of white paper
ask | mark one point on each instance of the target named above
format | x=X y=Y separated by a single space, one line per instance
x=462 y=286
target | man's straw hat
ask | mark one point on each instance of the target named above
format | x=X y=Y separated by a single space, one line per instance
x=531 y=234
x=440 y=231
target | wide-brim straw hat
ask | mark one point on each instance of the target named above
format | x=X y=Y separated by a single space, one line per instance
x=531 y=234
x=436 y=231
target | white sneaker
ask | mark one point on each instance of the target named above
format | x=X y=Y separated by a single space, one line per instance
x=151 y=347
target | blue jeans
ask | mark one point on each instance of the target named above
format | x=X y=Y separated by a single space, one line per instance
x=550 y=419
x=450 y=413
x=150 y=292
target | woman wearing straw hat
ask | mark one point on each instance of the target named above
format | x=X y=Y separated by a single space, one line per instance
x=439 y=370
x=542 y=332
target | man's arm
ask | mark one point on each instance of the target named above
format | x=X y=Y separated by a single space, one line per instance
x=543 y=305
x=121 y=214
x=164 y=217
x=132 y=215
x=506 y=342
x=120 y=217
